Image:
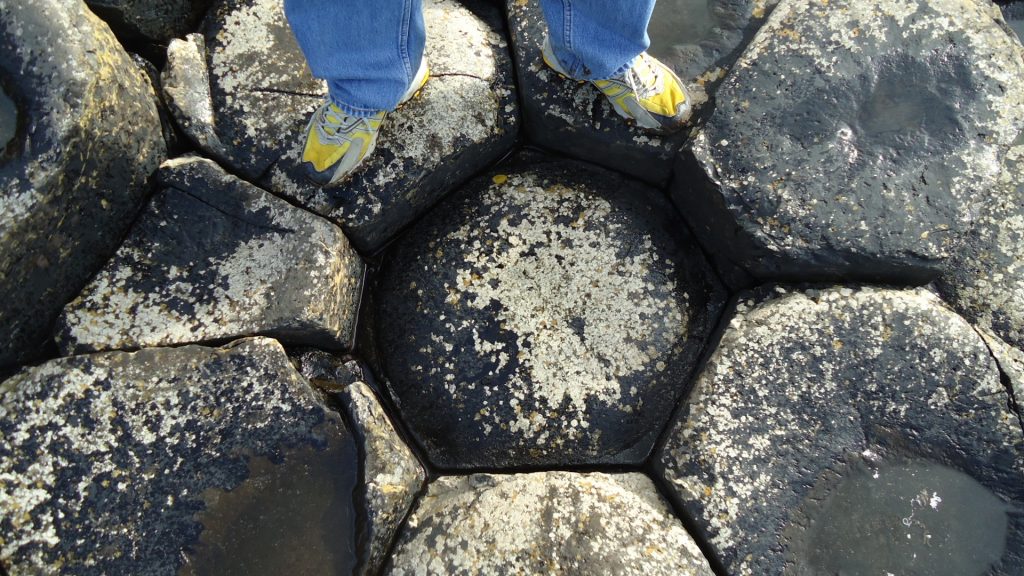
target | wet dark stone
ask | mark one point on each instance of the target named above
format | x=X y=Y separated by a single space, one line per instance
x=546 y=523
x=173 y=459
x=700 y=39
x=825 y=418
x=575 y=118
x=262 y=95
x=75 y=179
x=8 y=119
x=1013 y=12
x=914 y=517
x=846 y=146
x=149 y=20
x=549 y=314
x=214 y=258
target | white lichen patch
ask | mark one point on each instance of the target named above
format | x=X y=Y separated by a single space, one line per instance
x=550 y=523
x=585 y=315
x=801 y=381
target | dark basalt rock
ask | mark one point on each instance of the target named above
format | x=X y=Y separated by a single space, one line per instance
x=174 y=460
x=215 y=258
x=546 y=523
x=858 y=431
x=985 y=280
x=85 y=139
x=855 y=141
x=549 y=315
x=1013 y=12
x=150 y=20
x=700 y=39
x=262 y=95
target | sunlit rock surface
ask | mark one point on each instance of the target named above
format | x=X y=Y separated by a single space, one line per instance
x=545 y=523
x=855 y=140
x=211 y=461
x=214 y=258
x=84 y=140
x=548 y=314
x=850 y=431
x=262 y=95
x=149 y=20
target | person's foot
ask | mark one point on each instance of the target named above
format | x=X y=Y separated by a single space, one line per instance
x=336 y=143
x=649 y=93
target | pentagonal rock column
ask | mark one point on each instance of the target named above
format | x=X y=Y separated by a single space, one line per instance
x=263 y=94
x=215 y=258
x=851 y=431
x=81 y=136
x=174 y=460
x=546 y=523
x=855 y=141
x=548 y=315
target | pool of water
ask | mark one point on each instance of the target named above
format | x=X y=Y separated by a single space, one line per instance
x=8 y=119
x=912 y=517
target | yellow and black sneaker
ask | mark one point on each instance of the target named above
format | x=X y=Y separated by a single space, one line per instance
x=648 y=93
x=337 y=143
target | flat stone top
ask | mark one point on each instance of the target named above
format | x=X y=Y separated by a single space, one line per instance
x=806 y=386
x=557 y=310
x=105 y=458
x=885 y=120
x=546 y=523
x=8 y=119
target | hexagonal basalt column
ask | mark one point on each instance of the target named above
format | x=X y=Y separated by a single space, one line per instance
x=855 y=140
x=550 y=315
x=851 y=431
x=80 y=137
x=186 y=460
x=546 y=523
x=251 y=106
x=214 y=258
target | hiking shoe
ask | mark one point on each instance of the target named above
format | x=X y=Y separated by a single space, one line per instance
x=648 y=93
x=336 y=143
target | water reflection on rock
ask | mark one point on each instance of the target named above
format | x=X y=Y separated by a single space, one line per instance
x=910 y=517
x=292 y=517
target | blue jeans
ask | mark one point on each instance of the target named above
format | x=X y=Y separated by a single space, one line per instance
x=369 y=50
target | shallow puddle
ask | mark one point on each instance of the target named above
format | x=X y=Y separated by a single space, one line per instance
x=8 y=119
x=296 y=517
x=681 y=22
x=913 y=517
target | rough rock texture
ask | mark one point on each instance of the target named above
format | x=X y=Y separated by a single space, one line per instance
x=262 y=95
x=700 y=39
x=137 y=463
x=215 y=258
x=152 y=20
x=821 y=418
x=576 y=119
x=392 y=476
x=548 y=315
x=185 y=83
x=855 y=140
x=76 y=171
x=327 y=371
x=545 y=523
x=1011 y=367
x=985 y=280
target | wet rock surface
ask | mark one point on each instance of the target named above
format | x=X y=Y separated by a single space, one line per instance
x=464 y=118
x=545 y=523
x=574 y=117
x=8 y=119
x=985 y=280
x=75 y=173
x=549 y=314
x=150 y=20
x=188 y=458
x=849 y=430
x=214 y=258
x=855 y=141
